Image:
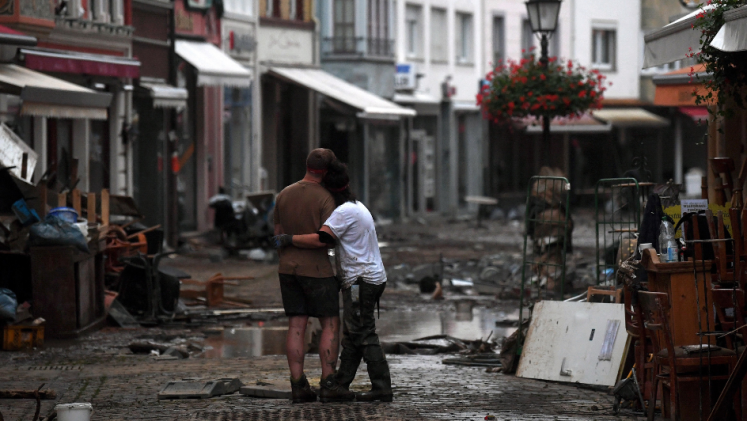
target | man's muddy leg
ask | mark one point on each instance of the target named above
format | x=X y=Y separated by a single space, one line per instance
x=329 y=344
x=294 y=344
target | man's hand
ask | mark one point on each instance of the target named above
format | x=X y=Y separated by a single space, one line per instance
x=282 y=240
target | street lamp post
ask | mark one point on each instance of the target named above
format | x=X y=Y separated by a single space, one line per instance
x=543 y=17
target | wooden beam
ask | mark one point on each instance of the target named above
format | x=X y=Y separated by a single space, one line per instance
x=92 y=208
x=62 y=199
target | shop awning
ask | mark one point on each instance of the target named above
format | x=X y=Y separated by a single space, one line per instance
x=732 y=36
x=698 y=114
x=465 y=106
x=59 y=61
x=583 y=124
x=370 y=105
x=630 y=117
x=214 y=67
x=164 y=95
x=675 y=89
x=672 y=42
x=12 y=37
x=415 y=98
x=48 y=96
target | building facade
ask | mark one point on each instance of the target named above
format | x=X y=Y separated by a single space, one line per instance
x=331 y=100
x=88 y=44
x=241 y=105
x=438 y=74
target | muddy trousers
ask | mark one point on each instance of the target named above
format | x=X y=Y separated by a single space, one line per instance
x=359 y=338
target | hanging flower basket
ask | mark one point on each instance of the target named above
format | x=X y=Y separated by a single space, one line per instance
x=517 y=90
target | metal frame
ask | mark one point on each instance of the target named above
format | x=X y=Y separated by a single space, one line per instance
x=624 y=218
x=538 y=188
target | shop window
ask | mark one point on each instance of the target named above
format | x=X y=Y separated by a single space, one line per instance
x=98 y=159
x=378 y=28
x=603 y=49
x=439 y=36
x=344 y=26
x=499 y=40
x=296 y=10
x=527 y=36
x=464 y=37
x=414 y=30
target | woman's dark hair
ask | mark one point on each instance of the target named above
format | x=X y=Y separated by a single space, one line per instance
x=337 y=181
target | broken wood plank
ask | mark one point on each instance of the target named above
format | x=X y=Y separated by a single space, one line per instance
x=145 y=231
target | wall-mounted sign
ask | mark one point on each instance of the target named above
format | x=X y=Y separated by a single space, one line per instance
x=405 y=78
x=199 y=4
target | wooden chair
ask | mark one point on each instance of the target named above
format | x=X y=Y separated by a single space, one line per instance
x=642 y=346
x=729 y=305
x=612 y=292
x=675 y=366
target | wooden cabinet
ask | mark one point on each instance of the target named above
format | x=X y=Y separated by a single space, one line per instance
x=67 y=290
x=678 y=281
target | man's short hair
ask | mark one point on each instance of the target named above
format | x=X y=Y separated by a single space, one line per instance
x=319 y=159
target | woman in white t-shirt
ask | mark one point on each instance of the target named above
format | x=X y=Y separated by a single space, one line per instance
x=351 y=229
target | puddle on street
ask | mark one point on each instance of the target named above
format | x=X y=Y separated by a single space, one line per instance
x=393 y=326
x=246 y=342
x=469 y=324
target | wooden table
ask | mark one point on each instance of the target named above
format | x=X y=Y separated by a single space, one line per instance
x=677 y=280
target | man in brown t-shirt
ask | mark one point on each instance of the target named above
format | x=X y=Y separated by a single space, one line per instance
x=307 y=281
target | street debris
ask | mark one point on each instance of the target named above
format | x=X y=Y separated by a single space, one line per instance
x=192 y=388
x=439 y=344
x=479 y=360
x=268 y=390
x=586 y=340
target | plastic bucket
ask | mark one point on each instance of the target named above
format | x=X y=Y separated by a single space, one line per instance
x=74 y=411
x=66 y=214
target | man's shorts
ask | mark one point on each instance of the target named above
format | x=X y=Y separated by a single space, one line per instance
x=305 y=296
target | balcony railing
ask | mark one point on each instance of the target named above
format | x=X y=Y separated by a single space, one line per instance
x=358 y=46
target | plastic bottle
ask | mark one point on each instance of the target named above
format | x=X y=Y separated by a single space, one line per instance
x=668 y=249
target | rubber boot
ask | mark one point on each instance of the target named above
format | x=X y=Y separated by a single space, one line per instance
x=301 y=391
x=331 y=391
x=381 y=383
x=346 y=373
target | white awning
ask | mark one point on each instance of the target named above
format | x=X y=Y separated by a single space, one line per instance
x=630 y=117
x=166 y=96
x=214 y=67
x=732 y=37
x=370 y=105
x=415 y=98
x=48 y=96
x=673 y=42
x=465 y=106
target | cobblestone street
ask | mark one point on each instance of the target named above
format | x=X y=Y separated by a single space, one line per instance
x=125 y=388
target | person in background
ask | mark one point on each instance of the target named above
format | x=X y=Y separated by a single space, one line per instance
x=351 y=228
x=307 y=281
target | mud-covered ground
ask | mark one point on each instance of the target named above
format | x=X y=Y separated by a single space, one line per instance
x=100 y=368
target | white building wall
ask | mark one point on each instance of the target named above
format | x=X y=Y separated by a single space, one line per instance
x=625 y=18
x=575 y=24
x=464 y=76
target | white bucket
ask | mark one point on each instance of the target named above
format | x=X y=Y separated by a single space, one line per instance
x=74 y=411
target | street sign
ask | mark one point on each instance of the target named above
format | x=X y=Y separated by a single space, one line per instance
x=405 y=78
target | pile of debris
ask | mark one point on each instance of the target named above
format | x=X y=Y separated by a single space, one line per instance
x=497 y=274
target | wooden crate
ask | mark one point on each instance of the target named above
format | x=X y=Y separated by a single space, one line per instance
x=22 y=337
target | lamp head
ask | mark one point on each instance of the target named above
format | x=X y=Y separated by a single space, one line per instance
x=543 y=15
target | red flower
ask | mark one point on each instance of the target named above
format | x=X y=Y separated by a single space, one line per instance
x=582 y=94
x=543 y=77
